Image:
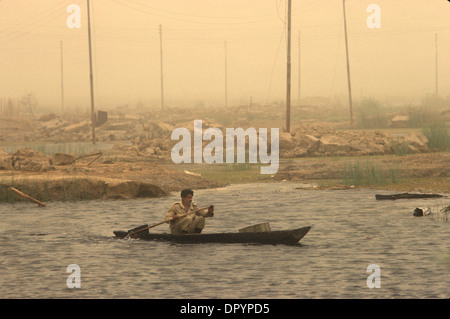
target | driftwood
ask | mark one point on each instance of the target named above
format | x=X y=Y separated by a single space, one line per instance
x=406 y=196
x=15 y=190
x=88 y=155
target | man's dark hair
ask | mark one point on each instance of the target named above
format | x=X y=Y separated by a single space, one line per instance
x=186 y=192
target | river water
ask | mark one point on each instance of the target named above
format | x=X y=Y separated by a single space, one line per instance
x=350 y=231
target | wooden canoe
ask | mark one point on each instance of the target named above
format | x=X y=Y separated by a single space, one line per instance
x=285 y=237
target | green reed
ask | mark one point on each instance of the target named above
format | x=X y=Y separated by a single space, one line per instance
x=438 y=135
x=371 y=173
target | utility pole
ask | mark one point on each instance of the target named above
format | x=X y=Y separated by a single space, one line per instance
x=288 y=81
x=436 y=47
x=299 y=68
x=91 y=75
x=62 y=76
x=226 y=75
x=348 y=68
x=161 y=54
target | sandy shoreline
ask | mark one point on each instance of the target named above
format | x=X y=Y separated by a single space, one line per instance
x=426 y=173
x=137 y=160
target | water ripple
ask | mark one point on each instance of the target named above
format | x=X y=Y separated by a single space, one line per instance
x=351 y=230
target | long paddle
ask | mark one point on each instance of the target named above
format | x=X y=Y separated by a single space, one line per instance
x=133 y=234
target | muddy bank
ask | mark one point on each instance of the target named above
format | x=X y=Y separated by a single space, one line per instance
x=62 y=188
x=68 y=177
x=428 y=173
x=433 y=165
x=52 y=187
x=137 y=161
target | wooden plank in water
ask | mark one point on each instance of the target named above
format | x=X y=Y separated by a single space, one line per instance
x=406 y=196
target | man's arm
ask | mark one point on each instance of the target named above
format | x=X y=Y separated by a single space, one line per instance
x=172 y=213
x=206 y=213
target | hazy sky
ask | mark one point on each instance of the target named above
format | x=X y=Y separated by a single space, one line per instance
x=395 y=60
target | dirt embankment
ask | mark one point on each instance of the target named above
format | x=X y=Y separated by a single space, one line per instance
x=316 y=141
x=417 y=172
x=139 y=163
x=64 y=177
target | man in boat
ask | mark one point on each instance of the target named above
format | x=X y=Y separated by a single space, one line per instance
x=193 y=223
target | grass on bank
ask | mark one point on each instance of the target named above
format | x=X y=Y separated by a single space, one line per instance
x=438 y=135
x=373 y=173
x=359 y=173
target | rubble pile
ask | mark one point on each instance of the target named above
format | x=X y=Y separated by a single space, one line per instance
x=138 y=136
x=26 y=159
x=318 y=141
x=5 y=160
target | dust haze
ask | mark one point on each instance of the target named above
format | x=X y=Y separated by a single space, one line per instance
x=217 y=52
x=224 y=70
x=225 y=63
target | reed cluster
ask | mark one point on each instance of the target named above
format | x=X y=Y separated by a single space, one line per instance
x=438 y=135
x=372 y=173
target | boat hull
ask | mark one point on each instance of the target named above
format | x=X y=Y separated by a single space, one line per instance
x=285 y=237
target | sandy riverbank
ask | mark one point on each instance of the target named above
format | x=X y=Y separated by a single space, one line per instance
x=426 y=173
x=137 y=161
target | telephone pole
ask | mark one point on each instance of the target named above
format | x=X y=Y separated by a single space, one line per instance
x=436 y=49
x=62 y=76
x=161 y=54
x=299 y=68
x=288 y=80
x=348 y=68
x=91 y=75
x=226 y=75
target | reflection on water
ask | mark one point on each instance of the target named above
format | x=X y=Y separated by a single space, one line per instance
x=351 y=230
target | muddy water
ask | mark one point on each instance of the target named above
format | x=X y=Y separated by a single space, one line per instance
x=351 y=230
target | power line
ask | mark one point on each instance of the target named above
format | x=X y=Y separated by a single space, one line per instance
x=274 y=62
x=195 y=16
x=152 y=13
x=31 y=25
x=35 y=18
